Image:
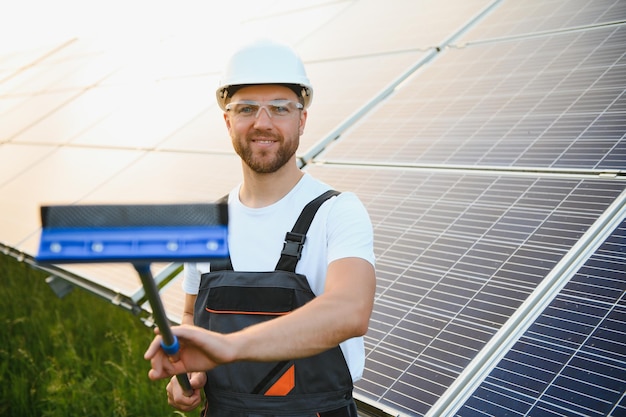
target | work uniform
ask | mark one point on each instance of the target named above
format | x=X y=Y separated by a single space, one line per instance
x=231 y=300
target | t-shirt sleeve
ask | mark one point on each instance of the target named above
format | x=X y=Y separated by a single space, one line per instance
x=350 y=230
x=192 y=272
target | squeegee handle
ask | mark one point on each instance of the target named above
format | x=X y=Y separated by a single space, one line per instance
x=170 y=342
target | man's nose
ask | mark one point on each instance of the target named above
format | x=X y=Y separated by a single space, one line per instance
x=262 y=117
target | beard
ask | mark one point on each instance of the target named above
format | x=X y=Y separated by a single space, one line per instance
x=266 y=162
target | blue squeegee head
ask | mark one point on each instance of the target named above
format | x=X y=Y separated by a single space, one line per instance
x=133 y=233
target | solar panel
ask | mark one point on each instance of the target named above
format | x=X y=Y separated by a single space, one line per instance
x=39 y=181
x=572 y=359
x=510 y=19
x=555 y=101
x=374 y=28
x=457 y=254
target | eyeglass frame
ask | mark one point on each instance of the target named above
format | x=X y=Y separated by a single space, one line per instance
x=267 y=105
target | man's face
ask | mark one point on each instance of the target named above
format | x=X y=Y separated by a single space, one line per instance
x=267 y=139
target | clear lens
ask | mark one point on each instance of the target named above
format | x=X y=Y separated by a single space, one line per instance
x=275 y=108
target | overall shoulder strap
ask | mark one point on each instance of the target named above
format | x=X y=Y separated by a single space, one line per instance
x=294 y=240
x=221 y=264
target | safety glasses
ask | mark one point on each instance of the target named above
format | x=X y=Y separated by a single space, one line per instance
x=250 y=109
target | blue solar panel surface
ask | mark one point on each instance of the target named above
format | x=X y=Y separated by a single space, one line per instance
x=555 y=101
x=456 y=256
x=572 y=360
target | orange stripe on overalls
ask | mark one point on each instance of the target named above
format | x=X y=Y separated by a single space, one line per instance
x=285 y=383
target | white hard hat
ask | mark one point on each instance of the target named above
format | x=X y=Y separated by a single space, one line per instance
x=265 y=62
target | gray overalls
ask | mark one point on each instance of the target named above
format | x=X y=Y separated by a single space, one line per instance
x=228 y=301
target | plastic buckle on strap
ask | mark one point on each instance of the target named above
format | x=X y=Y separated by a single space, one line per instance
x=293 y=244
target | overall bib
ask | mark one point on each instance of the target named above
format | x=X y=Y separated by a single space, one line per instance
x=228 y=301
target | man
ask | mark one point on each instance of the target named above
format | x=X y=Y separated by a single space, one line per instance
x=298 y=360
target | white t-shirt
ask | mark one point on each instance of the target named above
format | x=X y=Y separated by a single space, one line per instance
x=341 y=228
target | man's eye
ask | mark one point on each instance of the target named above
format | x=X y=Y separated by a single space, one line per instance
x=247 y=109
x=280 y=109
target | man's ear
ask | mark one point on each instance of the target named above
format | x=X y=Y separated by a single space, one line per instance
x=303 y=117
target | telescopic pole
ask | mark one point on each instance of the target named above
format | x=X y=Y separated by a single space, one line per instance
x=170 y=342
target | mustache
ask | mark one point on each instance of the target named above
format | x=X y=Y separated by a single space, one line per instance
x=264 y=134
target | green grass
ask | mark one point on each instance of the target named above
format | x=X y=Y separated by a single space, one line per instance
x=79 y=355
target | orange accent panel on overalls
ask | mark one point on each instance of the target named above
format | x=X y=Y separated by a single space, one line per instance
x=285 y=383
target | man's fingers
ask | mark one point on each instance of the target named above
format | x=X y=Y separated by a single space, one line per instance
x=177 y=399
x=153 y=349
x=163 y=368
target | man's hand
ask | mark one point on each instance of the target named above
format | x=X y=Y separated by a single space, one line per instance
x=177 y=399
x=200 y=350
